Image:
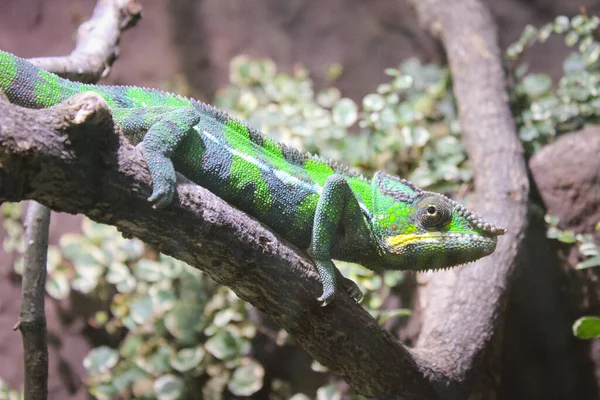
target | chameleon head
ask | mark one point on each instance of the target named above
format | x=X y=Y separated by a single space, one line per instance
x=419 y=230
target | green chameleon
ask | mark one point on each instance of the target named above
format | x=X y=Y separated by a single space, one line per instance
x=382 y=223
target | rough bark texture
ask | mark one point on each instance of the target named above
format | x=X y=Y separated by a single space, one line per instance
x=88 y=169
x=572 y=193
x=96 y=49
x=32 y=323
x=97 y=42
x=463 y=307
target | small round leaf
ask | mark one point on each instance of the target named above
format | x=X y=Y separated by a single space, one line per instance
x=100 y=360
x=168 y=387
x=246 y=379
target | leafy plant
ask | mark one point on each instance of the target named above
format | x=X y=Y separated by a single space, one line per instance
x=543 y=109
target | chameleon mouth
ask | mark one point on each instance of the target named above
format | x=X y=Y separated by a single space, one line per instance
x=442 y=240
x=435 y=250
x=411 y=238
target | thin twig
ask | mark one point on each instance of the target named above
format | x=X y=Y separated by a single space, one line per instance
x=32 y=323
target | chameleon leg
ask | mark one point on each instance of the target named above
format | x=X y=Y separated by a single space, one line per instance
x=159 y=143
x=337 y=202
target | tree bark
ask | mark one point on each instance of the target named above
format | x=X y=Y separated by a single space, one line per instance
x=70 y=159
x=463 y=307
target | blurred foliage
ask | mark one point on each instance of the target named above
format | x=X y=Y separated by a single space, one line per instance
x=587 y=246
x=182 y=333
x=408 y=127
x=587 y=327
x=9 y=394
x=542 y=108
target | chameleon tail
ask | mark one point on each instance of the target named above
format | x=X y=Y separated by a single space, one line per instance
x=29 y=86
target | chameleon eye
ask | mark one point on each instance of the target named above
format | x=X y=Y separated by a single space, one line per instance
x=433 y=212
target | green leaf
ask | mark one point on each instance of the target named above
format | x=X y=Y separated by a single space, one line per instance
x=591 y=53
x=300 y=396
x=345 y=112
x=578 y=21
x=545 y=32
x=528 y=133
x=528 y=33
x=551 y=219
x=225 y=346
x=187 y=359
x=420 y=136
x=104 y=391
x=587 y=328
x=117 y=272
x=157 y=362
x=536 y=85
x=373 y=102
x=589 y=263
x=573 y=63
x=57 y=286
x=397 y=313
x=142 y=309
x=566 y=236
x=246 y=379
x=168 y=387
x=561 y=24
x=182 y=320
x=100 y=360
x=329 y=392
x=571 y=38
x=148 y=270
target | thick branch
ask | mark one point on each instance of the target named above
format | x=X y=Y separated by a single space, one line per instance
x=97 y=47
x=90 y=170
x=464 y=306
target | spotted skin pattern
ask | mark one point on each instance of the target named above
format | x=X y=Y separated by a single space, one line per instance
x=382 y=223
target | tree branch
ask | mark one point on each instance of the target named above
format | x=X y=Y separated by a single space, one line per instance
x=97 y=42
x=463 y=307
x=32 y=322
x=52 y=157
x=97 y=48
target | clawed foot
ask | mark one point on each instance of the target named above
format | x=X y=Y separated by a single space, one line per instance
x=352 y=289
x=348 y=285
x=162 y=197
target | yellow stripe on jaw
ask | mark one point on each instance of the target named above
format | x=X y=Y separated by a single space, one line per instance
x=403 y=240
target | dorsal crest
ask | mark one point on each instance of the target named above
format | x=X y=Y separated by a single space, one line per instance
x=396 y=187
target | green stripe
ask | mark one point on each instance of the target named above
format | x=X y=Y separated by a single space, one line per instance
x=8 y=66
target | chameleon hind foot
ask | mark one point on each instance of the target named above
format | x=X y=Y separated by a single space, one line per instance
x=352 y=288
x=348 y=285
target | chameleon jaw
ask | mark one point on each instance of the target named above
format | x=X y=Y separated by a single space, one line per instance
x=452 y=240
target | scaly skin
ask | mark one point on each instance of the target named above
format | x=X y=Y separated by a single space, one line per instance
x=383 y=223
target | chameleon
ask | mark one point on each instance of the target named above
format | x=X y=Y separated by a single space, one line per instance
x=325 y=208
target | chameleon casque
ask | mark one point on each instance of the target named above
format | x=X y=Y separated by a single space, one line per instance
x=382 y=223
